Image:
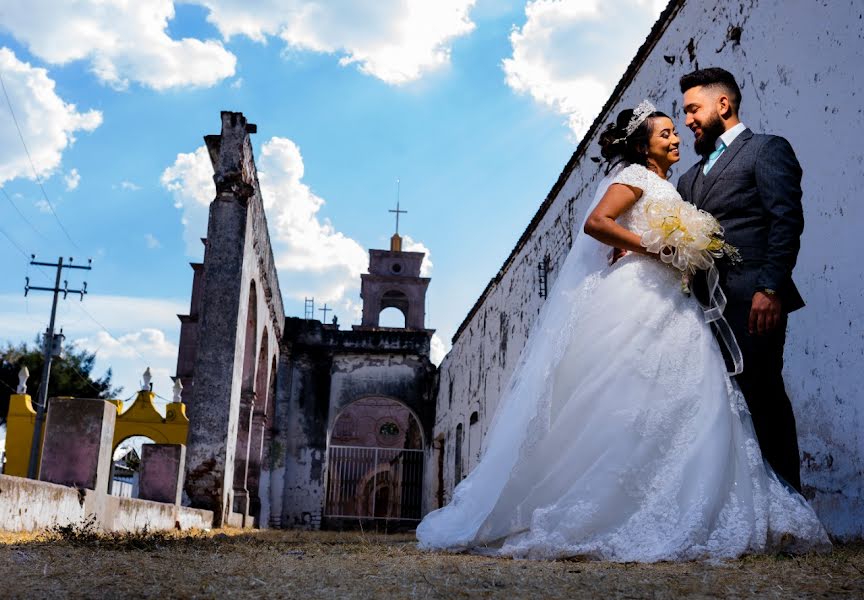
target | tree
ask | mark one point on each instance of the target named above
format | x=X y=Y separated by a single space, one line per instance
x=70 y=376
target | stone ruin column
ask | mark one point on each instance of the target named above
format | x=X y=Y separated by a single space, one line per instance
x=229 y=264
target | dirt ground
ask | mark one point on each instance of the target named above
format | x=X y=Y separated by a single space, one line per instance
x=77 y=563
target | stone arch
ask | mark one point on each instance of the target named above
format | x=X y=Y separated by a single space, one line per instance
x=264 y=383
x=419 y=436
x=249 y=346
x=240 y=503
x=153 y=434
x=376 y=472
x=394 y=298
x=264 y=515
x=392 y=317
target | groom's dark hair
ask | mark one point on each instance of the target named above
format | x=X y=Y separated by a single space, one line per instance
x=714 y=77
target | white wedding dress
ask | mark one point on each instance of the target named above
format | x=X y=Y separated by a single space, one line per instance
x=620 y=435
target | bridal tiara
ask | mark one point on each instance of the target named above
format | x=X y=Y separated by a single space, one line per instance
x=642 y=111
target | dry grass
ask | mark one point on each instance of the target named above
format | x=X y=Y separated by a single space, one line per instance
x=77 y=563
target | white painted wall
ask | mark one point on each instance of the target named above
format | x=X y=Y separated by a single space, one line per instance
x=800 y=68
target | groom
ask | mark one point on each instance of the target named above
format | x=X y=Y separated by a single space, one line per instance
x=752 y=184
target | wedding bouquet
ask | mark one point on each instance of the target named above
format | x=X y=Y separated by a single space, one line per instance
x=685 y=237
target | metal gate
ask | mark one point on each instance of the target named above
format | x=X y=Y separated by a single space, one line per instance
x=374 y=483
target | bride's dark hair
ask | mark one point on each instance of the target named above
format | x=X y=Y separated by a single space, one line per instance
x=616 y=145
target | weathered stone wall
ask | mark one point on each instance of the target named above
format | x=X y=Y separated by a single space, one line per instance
x=798 y=65
x=28 y=505
x=240 y=308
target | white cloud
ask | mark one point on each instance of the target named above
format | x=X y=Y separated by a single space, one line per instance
x=190 y=181
x=569 y=55
x=123 y=41
x=47 y=122
x=394 y=40
x=314 y=258
x=129 y=186
x=148 y=342
x=151 y=241
x=410 y=245
x=305 y=241
x=72 y=179
x=438 y=349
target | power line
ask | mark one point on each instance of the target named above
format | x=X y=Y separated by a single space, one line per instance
x=14 y=243
x=32 y=165
x=18 y=210
x=86 y=380
x=105 y=329
x=11 y=389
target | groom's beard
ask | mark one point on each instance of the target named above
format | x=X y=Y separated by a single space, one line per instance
x=711 y=131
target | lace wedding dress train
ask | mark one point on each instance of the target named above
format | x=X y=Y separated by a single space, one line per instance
x=620 y=435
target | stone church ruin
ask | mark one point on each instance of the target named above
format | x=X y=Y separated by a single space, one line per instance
x=294 y=422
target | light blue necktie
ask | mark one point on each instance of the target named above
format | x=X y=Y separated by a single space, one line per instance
x=712 y=158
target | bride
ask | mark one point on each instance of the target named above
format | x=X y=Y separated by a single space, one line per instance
x=620 y=436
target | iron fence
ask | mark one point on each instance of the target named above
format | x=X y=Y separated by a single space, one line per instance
x=371 y=482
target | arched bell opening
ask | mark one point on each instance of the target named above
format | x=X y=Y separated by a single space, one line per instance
x=391 y=317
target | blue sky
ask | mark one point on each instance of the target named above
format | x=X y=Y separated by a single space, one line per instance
x=474 y=105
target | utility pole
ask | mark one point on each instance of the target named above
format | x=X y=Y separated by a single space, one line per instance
x=51 y=347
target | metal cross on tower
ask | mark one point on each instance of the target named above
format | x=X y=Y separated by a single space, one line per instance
x=325 y=310
x=398 y=211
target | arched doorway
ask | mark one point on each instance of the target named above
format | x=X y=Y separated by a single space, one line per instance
x=375 y=462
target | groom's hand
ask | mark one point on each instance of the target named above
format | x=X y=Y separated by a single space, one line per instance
x=616 y=255
x=765 y=313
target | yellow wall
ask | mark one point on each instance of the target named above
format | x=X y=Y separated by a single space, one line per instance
x=19 y=434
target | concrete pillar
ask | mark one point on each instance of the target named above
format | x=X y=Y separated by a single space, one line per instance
x=161 y=475
x=78 y=442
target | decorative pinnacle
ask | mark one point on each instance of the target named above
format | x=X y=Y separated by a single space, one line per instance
x=178 y=390
x=148 y=378
x=23 y=374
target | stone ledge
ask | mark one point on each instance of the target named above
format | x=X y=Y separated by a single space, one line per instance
x=29 y=505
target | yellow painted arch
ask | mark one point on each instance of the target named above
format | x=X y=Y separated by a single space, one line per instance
x=142 y=418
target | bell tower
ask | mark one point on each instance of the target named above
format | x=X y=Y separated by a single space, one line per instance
x=394 y=281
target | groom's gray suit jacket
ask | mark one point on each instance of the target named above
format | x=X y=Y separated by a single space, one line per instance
x=754 y=190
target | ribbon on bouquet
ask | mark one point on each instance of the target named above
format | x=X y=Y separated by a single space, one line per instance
x=714 y=314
